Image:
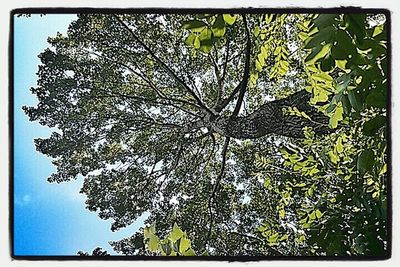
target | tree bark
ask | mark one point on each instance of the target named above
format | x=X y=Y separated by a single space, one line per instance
x=270 y=119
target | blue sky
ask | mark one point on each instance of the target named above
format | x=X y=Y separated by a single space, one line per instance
x=49 y=219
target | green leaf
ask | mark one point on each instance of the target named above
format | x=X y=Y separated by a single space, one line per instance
x=318 y=213
x=336 y=117
x=324 y=20
x=218 y=28
x=176 y=233
x=325 y=35
x=365 y=161
x=282 y=213
x=341 y=64
x=322 y=77
x=378 y=30
x=154 y=242
x=196 y=42
x=229 y=19
x=355 y=101
x=256 y=31
x=194 y=25
x=284 y=237
x=189 y=252
x=312 y=215
x=310 y=191
x=327 y=64
x=372 y=126
x=273 y=238
x=339 y=145
x=205 y=35
x=344 y=40
x=376 y=99
x=339 y=53
x=322 y=53
x=268 y=18
x=356 y=23
x=190 y=39
x=333 y=157
x=148 y=231
x=207 y=45
x=185 y=244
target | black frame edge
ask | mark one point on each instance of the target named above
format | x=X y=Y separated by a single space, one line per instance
x=248 y=10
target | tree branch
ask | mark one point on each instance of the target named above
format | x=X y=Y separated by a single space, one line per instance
x=164 y=65
x=245 y=79
x=243 y=83
x=225 y=63
x=218 y=180
x=153 y=87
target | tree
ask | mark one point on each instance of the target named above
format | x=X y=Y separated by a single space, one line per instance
x=96 y=252
x=232 y=126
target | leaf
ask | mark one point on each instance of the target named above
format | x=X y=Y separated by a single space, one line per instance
x=325 y=35
x=336 y=117
x=383 y=170
x=356 y=25
x=154 y=242
x=284 y=237
x=355 y=100
x=273 y=238
x=196 y=42
x=166 y=247
x=310 y=191
x=339 y=53
x=324 y=20
x=268 y=18
x=365 y=161
x=189 y=252
x=318 y=213
x=322 y=53
x=339 y=145
x=312 y=215
x=341 y=64
x=229 y=19
x=148 y=231
x=322 y=77
x=372 y=126
x=194 y=25
x=190 y=39
x=376 y=99
x=218 y=28
x=176 y=233
x=378 y=30
x=327 y=64
x=344 y=40
x=282 y=213
x=333 y=157
x=185 y=244
x=205 y=35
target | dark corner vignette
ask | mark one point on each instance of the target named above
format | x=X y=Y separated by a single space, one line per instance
x=45 y=10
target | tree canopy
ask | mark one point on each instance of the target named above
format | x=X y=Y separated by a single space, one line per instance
x=240 y=134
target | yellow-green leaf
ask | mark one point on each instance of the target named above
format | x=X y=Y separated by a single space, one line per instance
x=336 y=117
x=229 y=19
x=322 y=53
x=176 y=233
x=318 y=213
x=154 y=242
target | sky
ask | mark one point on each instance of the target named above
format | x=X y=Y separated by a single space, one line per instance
x=49 y=219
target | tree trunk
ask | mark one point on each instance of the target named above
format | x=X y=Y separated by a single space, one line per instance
x=270 y=119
